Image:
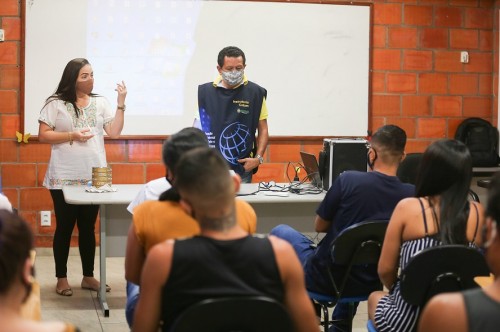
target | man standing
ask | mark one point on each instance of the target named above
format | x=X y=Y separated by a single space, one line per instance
x=231 y=110
x=353 y=198
x=223 y=260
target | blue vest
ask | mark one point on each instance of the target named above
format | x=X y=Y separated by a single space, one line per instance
x=229 y=118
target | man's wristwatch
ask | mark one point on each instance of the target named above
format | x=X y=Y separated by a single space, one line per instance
x=261 y=160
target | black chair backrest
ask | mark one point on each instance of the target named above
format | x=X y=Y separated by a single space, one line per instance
x=234 y=314
x=359 y=243
x=441 y=269
x=408 y=169
x=357 y=247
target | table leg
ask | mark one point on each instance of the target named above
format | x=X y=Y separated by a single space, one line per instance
x=102 y=261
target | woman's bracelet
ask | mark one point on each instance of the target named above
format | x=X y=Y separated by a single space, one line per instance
x=122 y=107
x=70 y=136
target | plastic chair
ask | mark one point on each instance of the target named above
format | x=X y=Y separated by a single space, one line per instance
x=235 y=314
x=359 y=244
x=408 y=169
x=446 y=268
x=370 y=327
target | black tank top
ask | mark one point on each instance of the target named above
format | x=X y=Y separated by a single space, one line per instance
x=483 y=313
x=205 y=268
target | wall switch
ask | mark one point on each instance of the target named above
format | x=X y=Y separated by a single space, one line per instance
x=45 y=218
x=2 y=35
x=464 y=57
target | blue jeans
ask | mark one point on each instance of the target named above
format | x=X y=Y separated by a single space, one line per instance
x=132 y=298
x=305 y=248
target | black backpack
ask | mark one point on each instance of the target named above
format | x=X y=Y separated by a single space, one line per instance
x=482 y=140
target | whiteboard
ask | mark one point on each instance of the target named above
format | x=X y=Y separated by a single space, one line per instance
x=313 y=59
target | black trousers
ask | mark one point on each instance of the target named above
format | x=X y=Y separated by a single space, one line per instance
x=66 y=216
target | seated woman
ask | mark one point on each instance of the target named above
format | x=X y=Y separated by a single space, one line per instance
x=476 y=309
x=16 y=242
x=439 y=214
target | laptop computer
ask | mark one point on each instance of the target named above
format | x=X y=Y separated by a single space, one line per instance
x=312 y=169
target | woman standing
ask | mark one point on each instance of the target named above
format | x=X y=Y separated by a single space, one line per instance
x=74 y=120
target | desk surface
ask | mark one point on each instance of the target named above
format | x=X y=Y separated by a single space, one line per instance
x=125 y=193
x=485 y=170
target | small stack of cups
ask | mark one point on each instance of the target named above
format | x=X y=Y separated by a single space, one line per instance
x=101 y=176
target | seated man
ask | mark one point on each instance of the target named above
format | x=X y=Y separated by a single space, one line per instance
x=157 y=221
x=476 y=309
x=224 y=259
x=354 y=197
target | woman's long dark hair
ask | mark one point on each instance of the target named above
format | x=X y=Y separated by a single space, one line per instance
x=174 y=147
x=446 y=171
x=66 y=90
x=16 y=241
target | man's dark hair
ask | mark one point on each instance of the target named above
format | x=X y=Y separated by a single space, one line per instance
x=202 y=178
x=177 y=144
x=389 y=141
x=230 y=52
x=174 y=147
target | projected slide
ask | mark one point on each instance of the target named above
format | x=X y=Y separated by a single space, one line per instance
x=312 y=58
x=147 y=43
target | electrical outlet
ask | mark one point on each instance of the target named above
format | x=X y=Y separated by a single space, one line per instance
x=45 y=218
x=464 y=57
x=2 y=35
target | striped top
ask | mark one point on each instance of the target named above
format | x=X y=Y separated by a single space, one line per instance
x=393 y=313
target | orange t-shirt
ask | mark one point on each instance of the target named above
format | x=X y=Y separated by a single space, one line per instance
x=157 y=221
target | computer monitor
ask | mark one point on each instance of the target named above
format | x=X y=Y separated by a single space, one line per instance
x=311 y=165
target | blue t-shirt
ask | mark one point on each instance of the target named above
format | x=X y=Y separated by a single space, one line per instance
x=354 y=197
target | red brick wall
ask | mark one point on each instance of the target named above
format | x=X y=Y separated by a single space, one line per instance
x=417 y=81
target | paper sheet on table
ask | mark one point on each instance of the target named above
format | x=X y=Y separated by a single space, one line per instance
x=104 y=189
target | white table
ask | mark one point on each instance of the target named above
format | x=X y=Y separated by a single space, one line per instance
x=298 y=211
x=112 y=209
x=295 y=210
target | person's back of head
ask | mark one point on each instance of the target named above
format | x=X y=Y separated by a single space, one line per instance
x=491 y=238
x=179 y=143
x=16 y=241
x=493 y=202
x=173 y=148
x=16 y=276
x=204 y=182
x=446 y=171
x=389 y=143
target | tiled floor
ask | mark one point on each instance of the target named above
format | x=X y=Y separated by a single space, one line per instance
x=83 y=309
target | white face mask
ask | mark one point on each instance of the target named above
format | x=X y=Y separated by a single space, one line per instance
x=232 y=78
